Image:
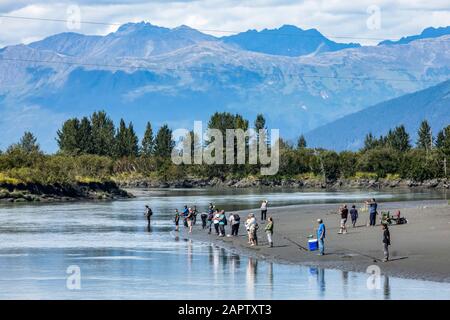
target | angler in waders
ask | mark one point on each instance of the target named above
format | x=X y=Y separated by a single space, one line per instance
x=148 y=215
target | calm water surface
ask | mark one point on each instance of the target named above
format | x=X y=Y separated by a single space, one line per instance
x=120 y=259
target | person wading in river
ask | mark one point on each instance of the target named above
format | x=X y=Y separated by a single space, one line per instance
x=148 y=214
x=177 y=220
x=190 y=219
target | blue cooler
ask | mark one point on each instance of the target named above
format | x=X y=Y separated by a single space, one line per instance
x=313 y=244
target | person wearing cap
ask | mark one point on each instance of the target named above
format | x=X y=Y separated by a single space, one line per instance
x=321 y=231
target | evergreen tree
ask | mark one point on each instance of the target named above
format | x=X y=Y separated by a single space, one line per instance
x=132 y=141
x=103 y=134
x=164 y=143
x=443 y=140
x=69 y=137
x=126 y=141
x=425 y=137
x=301 y=142
x=86 y=143
x=148 y=142
x=260 y=122
x=398 y=139
x=121 y=140
x=27 y=144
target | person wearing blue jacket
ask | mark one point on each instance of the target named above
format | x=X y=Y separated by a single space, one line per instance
x=321 y=231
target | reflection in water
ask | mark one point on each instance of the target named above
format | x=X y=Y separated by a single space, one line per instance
x=270 y=278
x=190 y=255
x=387 y=288
x=250 y=278
x=345 y=283
x=235 y=264
x=321 y=282
x=120 y=259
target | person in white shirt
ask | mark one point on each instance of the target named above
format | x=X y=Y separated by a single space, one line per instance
x=264 y=210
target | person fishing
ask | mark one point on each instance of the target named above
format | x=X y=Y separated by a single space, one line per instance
x=210 y=220
x=321 y=232
x=204 y=217
x=264 y=210
x=344 y=216
x=185 y=214
x=189 y=219
x=216 y=221
x=269 y=231
x=177 y=220
x=235 y=221
x=354 y=215
x=148 y=214
x=386 y=241
x=372 y=211
x=222 y=223
x=194 y=213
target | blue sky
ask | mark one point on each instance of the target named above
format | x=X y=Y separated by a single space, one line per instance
x=371 y=20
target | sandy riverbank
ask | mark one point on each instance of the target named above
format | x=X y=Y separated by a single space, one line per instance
x=420 y=249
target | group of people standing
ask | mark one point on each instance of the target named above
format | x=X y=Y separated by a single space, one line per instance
x=353 y=212
x=217 y=219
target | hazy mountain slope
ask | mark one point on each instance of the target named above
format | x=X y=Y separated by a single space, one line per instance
x=70 y=75
x=286 y=41
x=432 y=104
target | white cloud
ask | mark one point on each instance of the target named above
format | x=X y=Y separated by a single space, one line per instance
x=331 y=17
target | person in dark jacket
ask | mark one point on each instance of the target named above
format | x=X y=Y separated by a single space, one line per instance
x=354 y=215
x=148 y=215
x=204 y=217
x=386 y=242
x=344 y=216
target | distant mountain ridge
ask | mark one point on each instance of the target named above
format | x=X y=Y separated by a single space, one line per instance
x=431 y=104
x=287 y=40
x=144 y=72
x=427 y=33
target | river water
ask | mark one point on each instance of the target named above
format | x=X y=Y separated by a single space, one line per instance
x=103 y=250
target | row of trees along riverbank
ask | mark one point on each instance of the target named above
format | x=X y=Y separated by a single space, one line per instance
x=94 y=149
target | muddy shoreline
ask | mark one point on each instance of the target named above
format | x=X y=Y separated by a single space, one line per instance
x=419 y=249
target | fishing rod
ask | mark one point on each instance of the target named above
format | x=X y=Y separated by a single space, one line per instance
x=297 y=244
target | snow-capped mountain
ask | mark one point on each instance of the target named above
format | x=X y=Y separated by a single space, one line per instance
x=147 y=73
